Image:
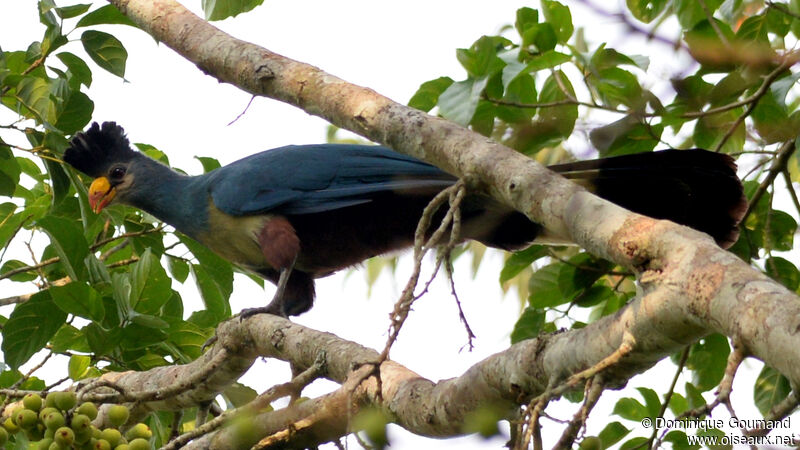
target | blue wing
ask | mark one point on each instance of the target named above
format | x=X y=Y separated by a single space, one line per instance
x=315 y=178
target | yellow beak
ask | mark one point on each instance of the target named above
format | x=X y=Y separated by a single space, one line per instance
x=100 y=194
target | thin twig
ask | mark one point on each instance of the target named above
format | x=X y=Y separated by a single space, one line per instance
x=790 y=187
x=668 y=396
x=594 y=389
x=282 y=390
x=753 y=101
x=421 y=247
x=778 y=165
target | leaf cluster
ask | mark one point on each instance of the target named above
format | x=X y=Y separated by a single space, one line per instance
x=531 y=87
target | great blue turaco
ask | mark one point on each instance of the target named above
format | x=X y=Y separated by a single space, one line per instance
x=297 y=213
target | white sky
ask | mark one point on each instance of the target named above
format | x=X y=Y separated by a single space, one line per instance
x=391 y=47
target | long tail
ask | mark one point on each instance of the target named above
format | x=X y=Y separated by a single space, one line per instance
x=696 y=188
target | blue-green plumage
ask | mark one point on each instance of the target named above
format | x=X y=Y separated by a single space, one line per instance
x=316 y=178
x=297 y=213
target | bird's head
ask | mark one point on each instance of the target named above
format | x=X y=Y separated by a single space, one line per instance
x=104 y=153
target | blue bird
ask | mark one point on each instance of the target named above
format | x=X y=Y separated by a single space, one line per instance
x=297 y=213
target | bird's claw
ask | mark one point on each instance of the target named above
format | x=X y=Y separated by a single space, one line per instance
x=269 y=309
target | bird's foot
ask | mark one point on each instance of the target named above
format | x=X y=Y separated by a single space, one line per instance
x=272 y=308
x=209 y=342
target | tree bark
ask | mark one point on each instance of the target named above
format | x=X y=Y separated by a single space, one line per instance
x=689 y=286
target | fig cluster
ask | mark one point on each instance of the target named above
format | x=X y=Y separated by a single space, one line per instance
x=58 y=423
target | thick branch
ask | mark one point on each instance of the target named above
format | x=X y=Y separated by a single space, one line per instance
x=690 y=287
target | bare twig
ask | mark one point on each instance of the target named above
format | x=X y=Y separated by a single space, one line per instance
x=594 y=389
x=282 y=390
x=778 y=165
x=44 y=263
x=668 y=396
x=421 y=247
x=754 y=99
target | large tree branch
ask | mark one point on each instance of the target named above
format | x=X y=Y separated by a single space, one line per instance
x=690 y=287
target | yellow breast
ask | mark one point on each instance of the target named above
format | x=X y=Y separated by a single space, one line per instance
x=235 y=238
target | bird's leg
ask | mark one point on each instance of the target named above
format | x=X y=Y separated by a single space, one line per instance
x=275 y=306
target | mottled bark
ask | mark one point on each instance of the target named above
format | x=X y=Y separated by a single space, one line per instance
x=689 y=286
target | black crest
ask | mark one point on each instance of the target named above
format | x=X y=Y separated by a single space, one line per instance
x=94 y=150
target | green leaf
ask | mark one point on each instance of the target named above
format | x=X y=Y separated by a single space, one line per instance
x=634 y=443
x=606 y=58
x=526 y=18
x=613 y=433
x=68 y=12
x=707 y=361
x=106 y=51
x=518 y=261
x=178 y=268
x=460 y=100
x=29 y=328
x=59 y=181
x=102 y=341
x=480 y=60
x=9 y=222
x=770 y=389
x=595 y=295
x=13 y=264
x=140 y=336
x=580 y=272
x=646 y=10
x=541 y=36
x=153 y=152
x=208 y=163
x=521 y=90
x=173 y=309
x=551 y=125
x=545 y=290
x=711 y=129
x=529 y=325
x=780 y=231
x=150 y=285
x=69 y=243
x=559 y=17
x=729 y=89
x=651 y=400
x=69 y=338
x=752 y=35
x=189 y=338
x=149 y=321
x=46 y=15
x=618 y=86
x=678 y=404
x=694 y=396
x=222 y=9
x=214 y=298
x=679 y=441
x=78 y=365
x=708 y=49
x=76 y=113
x=428 y=93
x=214 y=278
x=690 y=12
x=778 y=22
x=625 y=136
x=79 y=299
x=239 y=394
x=36 y=96
x=783 y=271
x=9 y=172
x=630 y=409
x=105 y=15
x=771 y=115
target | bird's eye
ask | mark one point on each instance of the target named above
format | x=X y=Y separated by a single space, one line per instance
x=117 y=172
